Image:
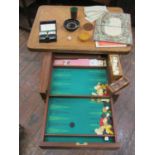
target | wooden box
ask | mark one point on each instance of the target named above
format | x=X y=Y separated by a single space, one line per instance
x=76 y=114
x=115 y=67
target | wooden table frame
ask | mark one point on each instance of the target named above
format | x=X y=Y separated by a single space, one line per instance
x=46 y=74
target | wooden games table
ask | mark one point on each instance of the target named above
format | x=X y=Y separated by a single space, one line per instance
x=71 y=116
x=60 y=14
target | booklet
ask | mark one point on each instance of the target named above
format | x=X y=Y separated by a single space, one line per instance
x=109 y=44
x=114 y=27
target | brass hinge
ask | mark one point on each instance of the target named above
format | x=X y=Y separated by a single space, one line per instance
x=83 y=144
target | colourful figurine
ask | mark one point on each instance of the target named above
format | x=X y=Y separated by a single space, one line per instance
x=101 y=90
x=105 y=100
x=107 y=127
x=106 y=111
x=101 y=121
x=104 y=127
x=99 y=131
x=105 y=122
x=106 y=138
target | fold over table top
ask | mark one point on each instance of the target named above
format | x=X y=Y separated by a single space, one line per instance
x=60 y=14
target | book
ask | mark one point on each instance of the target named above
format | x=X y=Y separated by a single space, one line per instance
x=109 y=44
x=114 y=27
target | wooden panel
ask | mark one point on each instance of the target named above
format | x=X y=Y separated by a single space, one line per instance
x=45 y=74
x=76 y=145
x=60 y=14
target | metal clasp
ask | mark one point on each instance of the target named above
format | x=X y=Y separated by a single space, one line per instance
x=83 y=144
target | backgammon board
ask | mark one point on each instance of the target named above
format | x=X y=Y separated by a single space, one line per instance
x=79 y=109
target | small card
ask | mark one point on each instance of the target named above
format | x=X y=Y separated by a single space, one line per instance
x=48 y=27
